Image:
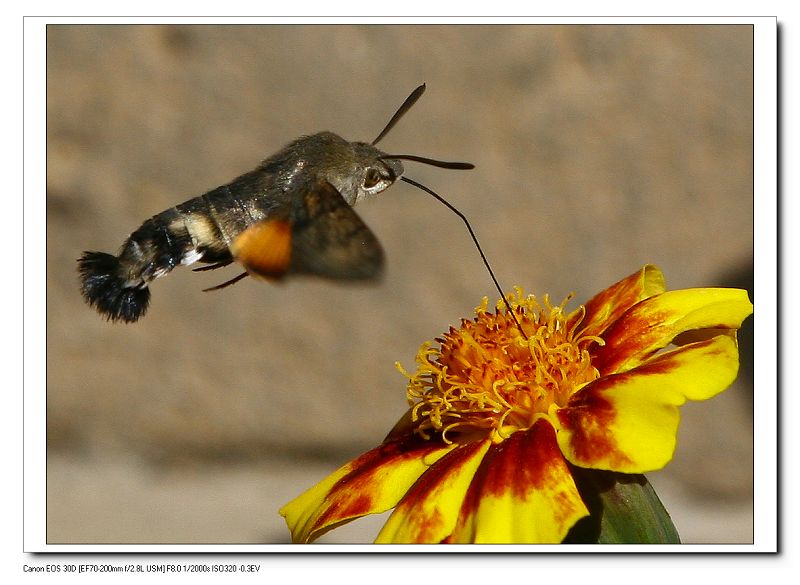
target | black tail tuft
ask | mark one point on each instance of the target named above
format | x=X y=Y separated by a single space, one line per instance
x=104 y=288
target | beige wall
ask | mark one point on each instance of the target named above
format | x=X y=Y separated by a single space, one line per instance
x=597 y=149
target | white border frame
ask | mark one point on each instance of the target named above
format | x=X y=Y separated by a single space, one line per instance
x=34 y=339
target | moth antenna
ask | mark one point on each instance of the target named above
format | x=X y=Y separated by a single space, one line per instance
x=477 y=245
x=410 y=101
x=458 y=166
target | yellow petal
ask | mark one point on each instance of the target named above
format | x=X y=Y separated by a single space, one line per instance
x=607 y=306
x=523 y=492
x=371 y=484
x=428 y=512
x=655 y=322
x=628 y=422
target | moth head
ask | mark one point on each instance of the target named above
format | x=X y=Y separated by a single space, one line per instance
x=358 y=171
x=373 y=173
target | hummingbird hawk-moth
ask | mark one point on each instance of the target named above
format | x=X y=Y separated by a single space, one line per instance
x=293 y=214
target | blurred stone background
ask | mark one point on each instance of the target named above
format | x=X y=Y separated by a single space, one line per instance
x=598 y=149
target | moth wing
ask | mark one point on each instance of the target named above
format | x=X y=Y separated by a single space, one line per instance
x=265 y=248
x=331 y=240
x=321 y=235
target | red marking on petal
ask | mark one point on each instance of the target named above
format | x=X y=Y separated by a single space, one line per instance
x=608 y=305
x=519 y=464
x=653 y=323
x=353 y=494
x=429 y=528
x=360 y=505
x=636 y=333
x=589 y=417
x=442 y=468
x=660 y=364
x=522 y=489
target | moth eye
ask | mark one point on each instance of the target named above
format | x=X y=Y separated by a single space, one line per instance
x=372 y=178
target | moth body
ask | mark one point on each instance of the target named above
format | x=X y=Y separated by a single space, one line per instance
x=203 y=229
x=290 y=215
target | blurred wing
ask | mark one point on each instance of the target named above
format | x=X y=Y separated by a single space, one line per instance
x=265 y=248
x=320 y=235
x=330 y=239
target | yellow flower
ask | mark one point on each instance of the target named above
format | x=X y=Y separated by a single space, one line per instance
x=498 y=419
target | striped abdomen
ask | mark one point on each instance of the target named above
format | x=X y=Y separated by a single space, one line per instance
x=200 y=229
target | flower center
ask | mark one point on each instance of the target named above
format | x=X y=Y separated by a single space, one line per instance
x=488 y=379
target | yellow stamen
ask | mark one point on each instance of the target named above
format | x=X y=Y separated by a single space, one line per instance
x=487 y=378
